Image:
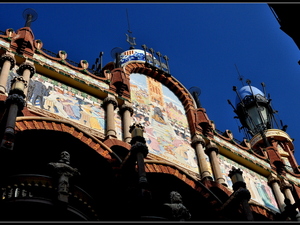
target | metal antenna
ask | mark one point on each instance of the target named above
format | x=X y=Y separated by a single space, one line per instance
x=264 y=88
x=30 y=15
x=130 y=39
x=234 y=88
x=98 y=66
x=229 y=102
x=240 y=77
x=195 y=91
x=128 y=21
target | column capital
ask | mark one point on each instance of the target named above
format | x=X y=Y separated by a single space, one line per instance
x=272 y=179
x=285 y=185
x=110 y=100
x=26 y=66
x=198 y=139
x=127 y=107
x=8 y=57
x=212 y=147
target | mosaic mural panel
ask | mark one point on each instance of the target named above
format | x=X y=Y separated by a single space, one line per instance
x=258 y=186
x=65 y=101
x=5 y=44
x=163 y=116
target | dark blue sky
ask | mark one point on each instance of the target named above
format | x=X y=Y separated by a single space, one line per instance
x=204 y=42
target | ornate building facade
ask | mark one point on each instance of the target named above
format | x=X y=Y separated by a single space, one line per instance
x=130 y=143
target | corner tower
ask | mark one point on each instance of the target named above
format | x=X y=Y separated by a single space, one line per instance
x=257 y=117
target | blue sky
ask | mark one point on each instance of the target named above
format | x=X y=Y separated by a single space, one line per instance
x=204 y=42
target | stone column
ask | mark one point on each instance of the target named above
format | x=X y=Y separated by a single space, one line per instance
x=27 y=70
x=7 y=62
x=213 y=151
x=274 y=183
x=126 y=111
x=287 y=188
x=110 y=104
x=198 y=143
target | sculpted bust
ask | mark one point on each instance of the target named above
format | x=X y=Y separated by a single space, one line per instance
x=176 y=210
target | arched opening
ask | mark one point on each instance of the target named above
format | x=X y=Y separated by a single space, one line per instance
x=34 y=150
x=121 y=151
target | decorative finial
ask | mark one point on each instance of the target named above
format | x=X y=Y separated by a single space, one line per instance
x=130 y=39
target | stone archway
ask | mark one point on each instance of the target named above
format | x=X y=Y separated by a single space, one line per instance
x=39 y=142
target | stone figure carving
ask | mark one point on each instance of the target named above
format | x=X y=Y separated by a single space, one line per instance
x=64 y=157
x=176 y=210
x=64 y=172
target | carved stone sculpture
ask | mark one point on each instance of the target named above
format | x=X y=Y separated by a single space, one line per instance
x=64 y=172
x=176 y=210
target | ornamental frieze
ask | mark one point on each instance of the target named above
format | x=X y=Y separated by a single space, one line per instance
x=74 y=74
x=242 y=152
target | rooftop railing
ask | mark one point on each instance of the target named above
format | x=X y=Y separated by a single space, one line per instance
x=222 y=133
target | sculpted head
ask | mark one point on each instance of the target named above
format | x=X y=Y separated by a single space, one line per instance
x=175 y=197
x=65 y=157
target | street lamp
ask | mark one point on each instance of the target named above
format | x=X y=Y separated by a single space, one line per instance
x=254 y=110
x=236 y=176
x=241 y=193
x=15 y=102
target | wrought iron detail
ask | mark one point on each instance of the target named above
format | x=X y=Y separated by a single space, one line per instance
x=16 y=99
x=140 y=147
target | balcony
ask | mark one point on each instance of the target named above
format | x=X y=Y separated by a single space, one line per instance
x=34 y=197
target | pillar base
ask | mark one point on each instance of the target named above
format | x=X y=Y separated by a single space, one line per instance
x=2 y=90
x=111 y=136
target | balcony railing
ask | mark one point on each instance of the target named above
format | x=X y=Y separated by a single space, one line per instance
x=39 y=187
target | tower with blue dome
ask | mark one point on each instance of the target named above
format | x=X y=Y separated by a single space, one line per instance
x=254 y=110
x=267 y=138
